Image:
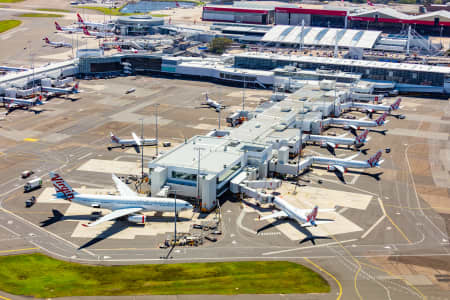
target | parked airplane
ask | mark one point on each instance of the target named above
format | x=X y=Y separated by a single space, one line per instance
x=54 y=91
x=342 y=164
x=97 y=34
x=57 y=44
x=128 y=204
x=304 y=217
x=97 y=26
x=132 y=50
x=371 y=108
x=13 y=103
x=214 y=104
x=332 y=142
x=67 y=29
x=355 y=125
x=134 y=142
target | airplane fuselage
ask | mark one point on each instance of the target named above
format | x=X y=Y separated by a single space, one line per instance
x=290 y=210
x=119 y=202
x=335 y=140
x=342 y=162
x=147 y=142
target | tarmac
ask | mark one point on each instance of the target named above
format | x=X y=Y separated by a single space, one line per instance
x=390 y=235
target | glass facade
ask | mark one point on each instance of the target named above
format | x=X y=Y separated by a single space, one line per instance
x=367 y=72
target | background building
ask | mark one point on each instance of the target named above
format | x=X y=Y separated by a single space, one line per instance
x=137 y=24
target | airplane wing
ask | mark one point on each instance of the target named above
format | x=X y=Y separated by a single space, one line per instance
x=343 y=135
x=341 y=169
x=316 y=222
x=274 y=215
x=331 y=144
x=114 y=215
x=352 y=156
x=136 y=139
x=123 y=189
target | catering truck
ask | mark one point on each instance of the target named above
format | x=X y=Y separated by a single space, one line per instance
x=32 y=185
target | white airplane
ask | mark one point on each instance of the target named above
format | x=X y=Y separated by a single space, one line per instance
x=67 y=29
x=214 y=104
x=128 y=204
x=304 y=217
x=57 y=44
x=332 y=142
x=132 y=50
x=97 y=34
x=13 y=103
x=371 y=108
x=135 y=141
x=355 y=125
x=54 y=91
x=342 y=164
x=97 y=26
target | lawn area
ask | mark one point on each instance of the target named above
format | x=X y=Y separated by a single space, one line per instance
x=53 y=9
x=39 y=15
x=40 y=276
x=10 y=1
x=8 y=24
x=116 y=11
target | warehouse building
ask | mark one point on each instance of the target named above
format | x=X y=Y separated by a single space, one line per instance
x=383 y=18
x=222 y=13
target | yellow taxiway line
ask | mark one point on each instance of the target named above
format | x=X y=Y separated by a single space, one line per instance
x=329 y=274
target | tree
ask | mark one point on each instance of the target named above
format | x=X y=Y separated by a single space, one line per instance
x=219 y=44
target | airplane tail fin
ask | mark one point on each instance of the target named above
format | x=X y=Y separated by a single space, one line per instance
x=311 y=217
x=80 y=19
x=382 y=119
x=362 y=137
x=114 y=139
x=75 y=87
x=369 y=3
x=374 y=161
x=85 y=31
x=61 y=187
x=119 y=49
x=177 y=4
x=57 y=26
x=396 y=104
x=47 y=41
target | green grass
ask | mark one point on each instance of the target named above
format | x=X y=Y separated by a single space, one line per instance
x=6 y=25
x=10 y=1
x=106 y=10
x=53 y=9
x=159 y=15
x=37 y=275
x=38 y=15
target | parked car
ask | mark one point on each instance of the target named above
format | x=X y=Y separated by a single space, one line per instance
x=197 y=226
x=217 y=232
x=32 y=185
x=27 y=173
x=211 y=238
x=30 y=202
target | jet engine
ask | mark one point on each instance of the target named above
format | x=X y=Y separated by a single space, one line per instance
x=140 y=219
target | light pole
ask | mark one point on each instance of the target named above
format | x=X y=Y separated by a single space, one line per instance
x=219 y=116
x=199 y=149
x=142 y=148
x=156 y=128
x=243 y=95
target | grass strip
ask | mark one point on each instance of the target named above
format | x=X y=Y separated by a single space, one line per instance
x=39 y=15
x=6 y=25
x=37 y=275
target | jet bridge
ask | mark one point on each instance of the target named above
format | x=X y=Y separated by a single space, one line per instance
x=239 y=185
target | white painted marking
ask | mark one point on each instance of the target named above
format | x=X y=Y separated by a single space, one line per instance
x=373 y=226
x=84 y=156
x=308 y=247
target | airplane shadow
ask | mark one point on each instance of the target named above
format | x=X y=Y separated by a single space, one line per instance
x=309 y=236
x=116 y=227
x=341 y=177
x=58 y=216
